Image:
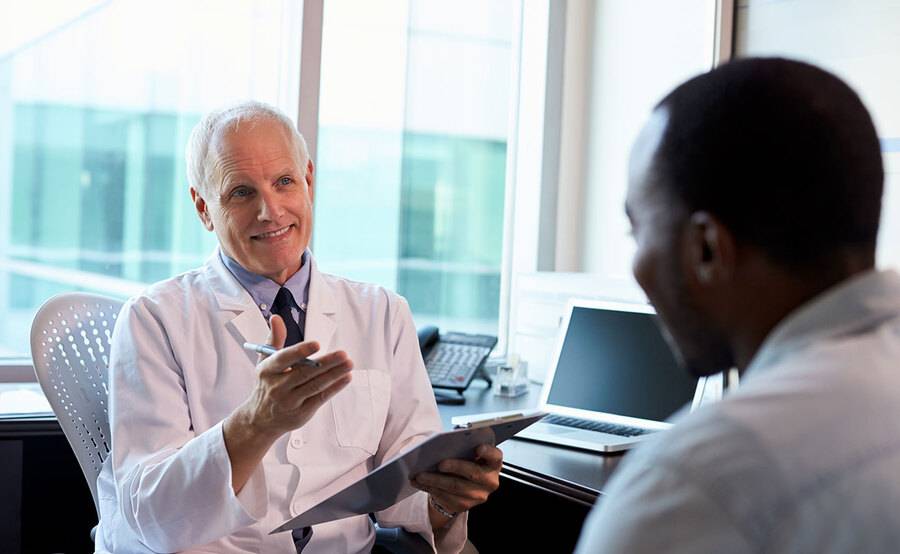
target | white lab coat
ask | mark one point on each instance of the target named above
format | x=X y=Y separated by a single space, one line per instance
x=177 y=369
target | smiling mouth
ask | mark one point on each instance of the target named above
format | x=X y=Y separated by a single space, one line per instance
x=272 y=234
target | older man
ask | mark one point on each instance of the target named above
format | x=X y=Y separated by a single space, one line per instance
x=213 y=448
x=754 y=196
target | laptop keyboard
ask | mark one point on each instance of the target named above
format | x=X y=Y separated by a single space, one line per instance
x=611 y=428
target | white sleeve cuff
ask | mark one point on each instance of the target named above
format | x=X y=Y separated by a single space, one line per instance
x=252 y=502
x=185 y=499
x=412 y=515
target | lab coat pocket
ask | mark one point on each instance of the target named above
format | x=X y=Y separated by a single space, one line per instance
x=354 y=414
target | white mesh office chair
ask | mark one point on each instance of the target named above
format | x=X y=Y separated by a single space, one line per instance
x=70 y=338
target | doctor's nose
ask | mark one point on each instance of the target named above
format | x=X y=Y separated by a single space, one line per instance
x=270 y=208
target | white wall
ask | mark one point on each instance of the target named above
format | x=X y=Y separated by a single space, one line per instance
x=642 y=49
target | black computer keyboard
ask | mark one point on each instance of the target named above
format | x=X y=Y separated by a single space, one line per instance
x=611 y=428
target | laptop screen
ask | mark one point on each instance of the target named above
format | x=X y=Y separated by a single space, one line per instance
x=618 y=362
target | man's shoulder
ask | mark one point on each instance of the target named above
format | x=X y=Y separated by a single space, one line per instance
x=757 y=422
x=172 y=291
x=708 y=460
x=703 y=441
x=767 y=439
x=716 y=453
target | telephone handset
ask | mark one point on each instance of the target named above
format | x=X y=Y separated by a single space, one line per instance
x=453 y=359
x=428 y=335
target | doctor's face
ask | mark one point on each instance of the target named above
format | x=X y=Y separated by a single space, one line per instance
x=258 y=201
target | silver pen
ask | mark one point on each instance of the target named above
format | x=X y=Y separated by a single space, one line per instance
x=268 y=351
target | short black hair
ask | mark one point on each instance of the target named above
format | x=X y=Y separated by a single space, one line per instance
x=782 y=152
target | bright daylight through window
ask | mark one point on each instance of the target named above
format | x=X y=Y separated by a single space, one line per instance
x=95 y=111
x=413 y=124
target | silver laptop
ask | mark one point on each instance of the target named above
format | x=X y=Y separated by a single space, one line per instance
x=613 y=380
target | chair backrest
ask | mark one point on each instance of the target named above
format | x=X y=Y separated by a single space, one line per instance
x=70 y=338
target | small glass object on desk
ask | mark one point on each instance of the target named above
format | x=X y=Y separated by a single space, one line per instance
x=512 y=378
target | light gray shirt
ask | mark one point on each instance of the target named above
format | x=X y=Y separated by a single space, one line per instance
x=263 y=290
x=805 y=457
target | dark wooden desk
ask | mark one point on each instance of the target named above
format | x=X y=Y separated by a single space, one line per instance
x=544 y=496
x=545 y=492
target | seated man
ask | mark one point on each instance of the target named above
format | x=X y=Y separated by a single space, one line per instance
x=754 y=196
x=213 y=448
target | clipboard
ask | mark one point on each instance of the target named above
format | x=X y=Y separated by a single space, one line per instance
x=389 y=483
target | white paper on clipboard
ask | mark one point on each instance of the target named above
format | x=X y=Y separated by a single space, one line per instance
x=389 y=483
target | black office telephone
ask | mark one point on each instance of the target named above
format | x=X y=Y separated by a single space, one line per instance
x=453 y=360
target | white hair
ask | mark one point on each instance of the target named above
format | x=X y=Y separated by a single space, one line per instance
x=198 y=160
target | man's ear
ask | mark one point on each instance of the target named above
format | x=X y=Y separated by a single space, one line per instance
x=202 y=209
x=711 y=249
x=311 y=179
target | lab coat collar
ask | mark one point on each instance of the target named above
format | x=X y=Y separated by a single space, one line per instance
x=248 y=323
x=321 y=312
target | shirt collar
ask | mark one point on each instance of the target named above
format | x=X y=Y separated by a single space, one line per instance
x=853 y=306
x=263 y=290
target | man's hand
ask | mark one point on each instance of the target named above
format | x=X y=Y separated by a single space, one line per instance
x=285 y=398
x=460 y=485
x=286 y=395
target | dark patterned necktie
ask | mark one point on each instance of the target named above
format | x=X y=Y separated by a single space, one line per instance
x=282 y=305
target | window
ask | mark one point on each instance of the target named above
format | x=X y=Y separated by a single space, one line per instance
x=97 y=100
x=413 y=116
